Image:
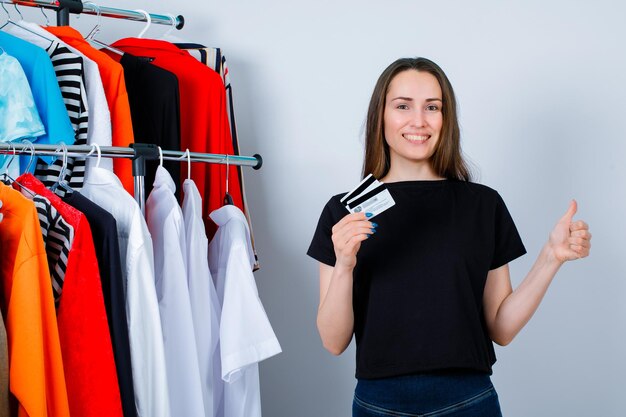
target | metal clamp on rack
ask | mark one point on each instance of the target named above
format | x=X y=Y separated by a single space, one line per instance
x=65 y=8
x=143 y=152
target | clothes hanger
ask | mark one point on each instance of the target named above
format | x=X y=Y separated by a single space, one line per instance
x=160 y=156
x=61 y=181
x=11 y=21
x=31 y=147
x=95 y=147
x=188 y=156
x=6 y=178
x=96 y=29
x=44 y=15
x=148 y=22
x=228 y=200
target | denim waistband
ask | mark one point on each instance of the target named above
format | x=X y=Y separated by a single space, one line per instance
x=422 y=392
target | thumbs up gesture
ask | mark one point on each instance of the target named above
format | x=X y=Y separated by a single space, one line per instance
x=569 y=239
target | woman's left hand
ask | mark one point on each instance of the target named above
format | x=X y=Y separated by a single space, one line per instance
x=570 y=240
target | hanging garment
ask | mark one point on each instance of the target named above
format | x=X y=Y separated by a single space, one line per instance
x=35 y=365
x=46 y=92
x=83 y=331
x=155 y=107
x=165 y=222
x=246 y=336
x=99 y=128
x=214 y=59
x=68 y=68
x=205 y=307
x=104 y=233
x=18 y=114
x=4 y=367
x=204 y=120
x=58 y=237
x=144 y=326
x=112 y=76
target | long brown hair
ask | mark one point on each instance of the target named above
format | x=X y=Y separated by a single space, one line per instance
x=447 y=160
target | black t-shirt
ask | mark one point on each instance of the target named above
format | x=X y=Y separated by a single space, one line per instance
x=419 y=280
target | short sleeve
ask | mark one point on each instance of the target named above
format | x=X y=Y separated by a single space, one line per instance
x=321 y=247
x=508 y=244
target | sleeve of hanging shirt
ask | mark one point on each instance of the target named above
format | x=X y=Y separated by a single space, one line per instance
x=46 y=92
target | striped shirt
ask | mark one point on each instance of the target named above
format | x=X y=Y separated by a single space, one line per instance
x=58 y=237
x=68 y=68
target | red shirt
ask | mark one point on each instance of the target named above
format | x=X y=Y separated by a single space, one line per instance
x=204 y=119
x=90 y=373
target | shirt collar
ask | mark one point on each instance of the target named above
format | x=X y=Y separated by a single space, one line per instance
x=101 y=176
x=227 y=213
x=163 y=178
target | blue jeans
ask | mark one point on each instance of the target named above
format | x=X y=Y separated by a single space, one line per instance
x=427 y=395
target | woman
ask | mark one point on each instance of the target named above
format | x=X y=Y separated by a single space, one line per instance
x=425 y=288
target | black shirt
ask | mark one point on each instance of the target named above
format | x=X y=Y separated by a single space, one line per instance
x=154 y=99
x=104 y=232
x=419 y=280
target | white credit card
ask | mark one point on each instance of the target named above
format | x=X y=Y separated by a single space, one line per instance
x=375 y=205
x=369 y=196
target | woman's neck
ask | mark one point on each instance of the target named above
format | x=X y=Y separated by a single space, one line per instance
x=416 y=173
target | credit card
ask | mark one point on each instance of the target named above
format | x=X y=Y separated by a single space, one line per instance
x=360 y=188
x=375 y=204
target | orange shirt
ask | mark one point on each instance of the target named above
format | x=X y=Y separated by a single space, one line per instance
x=112 y=75
x=36 y=372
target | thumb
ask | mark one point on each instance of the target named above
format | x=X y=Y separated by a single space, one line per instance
x=571 y=210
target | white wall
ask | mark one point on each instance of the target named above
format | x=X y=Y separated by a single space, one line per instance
x=541 y=89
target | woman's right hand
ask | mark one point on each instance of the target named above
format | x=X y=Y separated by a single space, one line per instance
x=348 y=234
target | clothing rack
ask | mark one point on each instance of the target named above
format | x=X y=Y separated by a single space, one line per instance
x=139 y=153
x=65 y=7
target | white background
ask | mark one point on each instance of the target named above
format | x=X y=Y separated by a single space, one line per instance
x=541 y=88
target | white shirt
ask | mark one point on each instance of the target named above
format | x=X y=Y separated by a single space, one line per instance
x=142 y=309
x=246 y=336
x=205 y=307
x=165 y=221
x=99 y=127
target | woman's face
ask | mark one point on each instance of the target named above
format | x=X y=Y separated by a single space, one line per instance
x=412 y=118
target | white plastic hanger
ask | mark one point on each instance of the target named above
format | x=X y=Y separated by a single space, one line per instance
x=96 y=147
x=148 y=22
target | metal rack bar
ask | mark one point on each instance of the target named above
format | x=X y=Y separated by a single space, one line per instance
x=138 y=154
x=65 y=7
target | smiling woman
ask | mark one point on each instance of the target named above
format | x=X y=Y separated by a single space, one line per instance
x=426 y=289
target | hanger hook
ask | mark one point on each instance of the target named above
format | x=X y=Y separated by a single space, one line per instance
x=172 y=26
x=188 y=164
x=18 y=11
x=96 y=28
x=160 y=156
x=95 y=147
x=148 y=22
x=187 y=155
x=8 y=165
x=31 y=148
x=64 y=168
x=45 y=15
x=227 y=172
x=5 y=10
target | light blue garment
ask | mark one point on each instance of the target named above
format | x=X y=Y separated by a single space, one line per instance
x=18 y=114
x=46 y=92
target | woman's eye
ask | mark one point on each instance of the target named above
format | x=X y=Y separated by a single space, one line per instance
x=402 y=107
x=432 y=107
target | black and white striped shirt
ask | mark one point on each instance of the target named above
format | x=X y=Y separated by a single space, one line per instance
x=58 y=237
x=68 y=68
